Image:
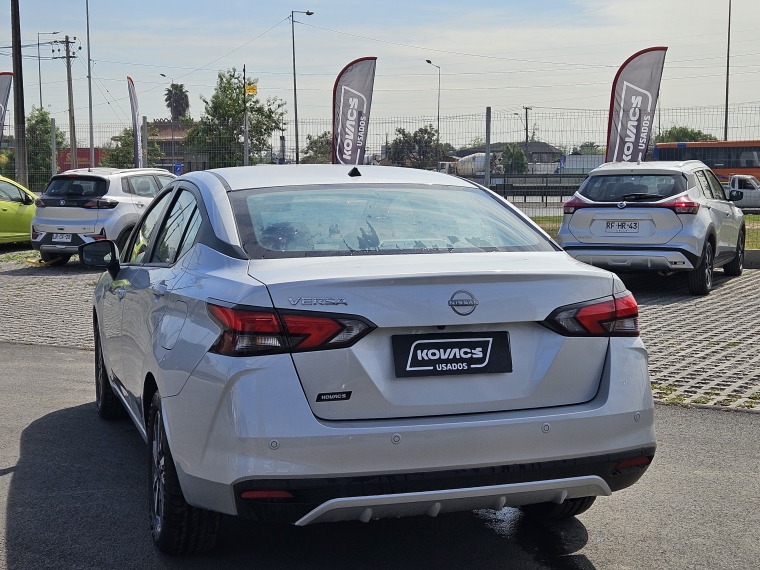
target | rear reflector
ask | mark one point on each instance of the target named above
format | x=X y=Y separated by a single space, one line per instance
x=252 y=331
x=265 y=495
x=609 y=316
x=633 y=462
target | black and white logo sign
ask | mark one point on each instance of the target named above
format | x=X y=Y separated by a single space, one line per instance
x=463 y=303
x=446 y=354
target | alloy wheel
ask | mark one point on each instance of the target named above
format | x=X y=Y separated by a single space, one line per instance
x=158 y=472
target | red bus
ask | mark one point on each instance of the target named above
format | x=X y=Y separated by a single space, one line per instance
x=723 y=157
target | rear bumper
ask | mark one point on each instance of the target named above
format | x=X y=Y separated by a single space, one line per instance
x=644 y=259
x=44 y=242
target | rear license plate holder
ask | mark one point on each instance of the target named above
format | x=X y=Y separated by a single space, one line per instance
x=451 y=354
x=622 y=227
x=65 y=238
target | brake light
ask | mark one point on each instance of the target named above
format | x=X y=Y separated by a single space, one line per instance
x=39 y=203
x=101 y=204
x=252 y=331
x=611 y=316
x=574 y=204
x=681 y=205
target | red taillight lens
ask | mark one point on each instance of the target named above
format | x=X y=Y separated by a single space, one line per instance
x=248 y=332
x=681 y=205
x=39 y=203
x=101 y=204
x=574 y=204
x=611 y=316
x=266 y=495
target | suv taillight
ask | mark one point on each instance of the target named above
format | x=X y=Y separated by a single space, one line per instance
x=574 y=204
x=254 y=331
x=39 y=203
x=681 y=205
x=101 y=204
x=610 y=316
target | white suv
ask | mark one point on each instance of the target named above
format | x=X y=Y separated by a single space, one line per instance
x=80 y=206
x=656 y=216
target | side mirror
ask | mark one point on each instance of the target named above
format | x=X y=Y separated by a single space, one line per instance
x=28 y=200
x=735 y=195
x=101 y=254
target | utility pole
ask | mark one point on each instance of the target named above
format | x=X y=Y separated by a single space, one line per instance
x=89 y=86
x=72 y=133
x=19 y=116
x=728 y=54
x=488 y=149
x=245 y=124
x=526 y=128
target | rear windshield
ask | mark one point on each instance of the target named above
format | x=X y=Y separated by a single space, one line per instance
x=387 y=219
x=86 y=187
x=632 y=188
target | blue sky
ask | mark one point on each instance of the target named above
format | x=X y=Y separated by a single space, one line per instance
x=558 y=54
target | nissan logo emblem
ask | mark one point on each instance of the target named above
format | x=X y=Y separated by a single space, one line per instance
x=463 y=303
x=621 y=205
x=62 y=202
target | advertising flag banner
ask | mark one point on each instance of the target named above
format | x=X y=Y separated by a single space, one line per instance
x=632 y=105
x=6 y=78
x=135 y=123
x=352 y=99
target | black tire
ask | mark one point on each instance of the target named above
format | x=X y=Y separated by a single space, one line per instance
x=177 y=528
x=548 y=512
x=107 y=404
x=59 y=259
x=736 y=267
x=701 y=278
x=121 y=241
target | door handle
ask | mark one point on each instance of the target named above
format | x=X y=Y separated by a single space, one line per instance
x=139 y=205
x=159 y=289
x=121 y=293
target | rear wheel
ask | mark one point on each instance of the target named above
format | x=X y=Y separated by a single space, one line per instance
x=106 y=402
x=701 y=278
x=56 y=259
x=177 y=528
x=547 y=512
x=121 y=241
x=736 y=267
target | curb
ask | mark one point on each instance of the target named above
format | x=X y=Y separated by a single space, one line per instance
x=709 y=407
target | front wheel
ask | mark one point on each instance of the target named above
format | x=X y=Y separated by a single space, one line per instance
x=701 y=278
x=548 y=512
x=736 y=267
x=106 y=402
x=177 y=527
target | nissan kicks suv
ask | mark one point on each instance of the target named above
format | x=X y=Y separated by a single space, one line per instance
x=80 y=206
x=656 y=216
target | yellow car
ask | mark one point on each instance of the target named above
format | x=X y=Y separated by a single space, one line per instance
x=16 y=211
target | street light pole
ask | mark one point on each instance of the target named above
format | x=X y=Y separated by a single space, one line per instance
x=438 y=130
x=39 y=66
x=89 y=86
x=728 y=54
x=295 y=96
x=171 y=103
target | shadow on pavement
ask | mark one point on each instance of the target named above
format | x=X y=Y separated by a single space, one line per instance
x=78 y=498
x=655 y=289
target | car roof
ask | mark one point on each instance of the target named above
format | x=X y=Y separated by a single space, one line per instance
x=268 y=176
x=653 y=167
x=106 y=171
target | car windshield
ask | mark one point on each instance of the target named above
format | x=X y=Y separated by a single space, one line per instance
x=632 y=188
x=382 y=219
x=76 y=186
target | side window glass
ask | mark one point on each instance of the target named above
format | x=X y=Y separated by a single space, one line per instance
x=717 y=187
x=125 y=186
x=703 y=184
x=173 y=230
x=164 y=180
x=137 y=248
x=144 y=186
x=190 y=233
x=9 y=193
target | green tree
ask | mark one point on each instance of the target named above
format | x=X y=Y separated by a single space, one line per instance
x=588 y=147
x=318 y=149
x=121 y=154
x=513 y=159
x=177 y=101
x=415 y=149
x=219 y=132
x=38 y=148
x=683 y=134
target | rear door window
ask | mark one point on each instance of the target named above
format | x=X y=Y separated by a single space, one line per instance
x=144 y=186
x=174 y=229
x=703 y=184
x=164 y=180
x=76 y=187
x=632 y=188
x=715 y=185
x=137 y=248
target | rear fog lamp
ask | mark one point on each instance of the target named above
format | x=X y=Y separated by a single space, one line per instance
x=35 y=236
x=633 y=462
x=265 y=495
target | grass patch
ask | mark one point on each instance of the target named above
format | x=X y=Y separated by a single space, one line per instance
x=19 y=255
x=755 y=396
x=701 y=400
x=752 y=224
x=550 y=224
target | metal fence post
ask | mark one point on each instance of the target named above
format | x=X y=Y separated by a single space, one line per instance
x=145 y=141
x=245 y=140
x=53 y=153
x=488 y=148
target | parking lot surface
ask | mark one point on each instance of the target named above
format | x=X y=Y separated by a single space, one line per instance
x=702 y=350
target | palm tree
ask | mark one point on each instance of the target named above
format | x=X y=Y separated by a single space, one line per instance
x=177 y=101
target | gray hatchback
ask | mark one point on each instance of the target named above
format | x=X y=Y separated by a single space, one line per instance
x=661 y=216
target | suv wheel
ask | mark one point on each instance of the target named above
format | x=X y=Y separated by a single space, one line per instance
x=547 y=512
x=106 y=402
x=54 y=259
x=701 y=278
x=736 y=267
x=177 y=528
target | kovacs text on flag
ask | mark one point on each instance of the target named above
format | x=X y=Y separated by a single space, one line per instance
x=135 y=123
x=6 y=78
x=632 y=105
x=352 y=99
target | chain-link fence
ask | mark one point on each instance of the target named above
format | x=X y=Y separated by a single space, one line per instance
x=544 y=154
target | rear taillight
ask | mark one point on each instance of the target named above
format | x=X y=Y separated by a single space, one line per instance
x=39 y=203
x=252 y=331
x=101 y=204
x=574 y=204
x=610 y=316
x=681 y=205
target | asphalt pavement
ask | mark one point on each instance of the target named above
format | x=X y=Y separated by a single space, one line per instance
x=75 y=493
